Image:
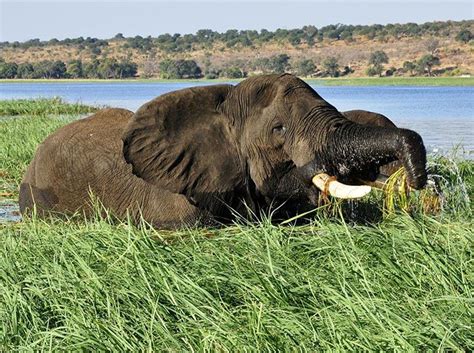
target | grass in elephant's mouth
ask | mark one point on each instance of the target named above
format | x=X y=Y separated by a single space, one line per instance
x=404 y=283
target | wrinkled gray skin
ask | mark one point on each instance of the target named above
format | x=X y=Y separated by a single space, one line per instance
x=364 y=117
x=298 y=195
x=191 y=156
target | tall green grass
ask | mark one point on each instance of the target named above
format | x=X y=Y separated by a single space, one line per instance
x=42 y=106
x=401 y=283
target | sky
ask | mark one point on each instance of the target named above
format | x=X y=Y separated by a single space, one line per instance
x=23 y=20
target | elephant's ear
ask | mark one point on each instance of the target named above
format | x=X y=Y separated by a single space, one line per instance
x=183 y=142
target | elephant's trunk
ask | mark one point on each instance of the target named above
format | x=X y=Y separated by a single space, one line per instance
x=355 y=148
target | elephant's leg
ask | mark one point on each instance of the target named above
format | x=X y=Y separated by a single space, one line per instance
x=117 y=190
x=128 y=195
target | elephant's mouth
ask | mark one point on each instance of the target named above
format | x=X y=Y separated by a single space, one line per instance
x=330 y=185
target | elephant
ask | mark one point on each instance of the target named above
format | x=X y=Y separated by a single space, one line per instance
x=375 y=119
x=203 y=155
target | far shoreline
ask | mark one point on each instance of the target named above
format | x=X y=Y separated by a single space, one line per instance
x=357 y=81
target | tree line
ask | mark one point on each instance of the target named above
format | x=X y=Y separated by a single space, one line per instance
x=184 y=69
x=310 y=35
x=48 y=69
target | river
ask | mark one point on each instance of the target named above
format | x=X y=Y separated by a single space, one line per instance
x=443 y=116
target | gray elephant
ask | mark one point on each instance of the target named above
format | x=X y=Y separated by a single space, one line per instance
x=203 y=154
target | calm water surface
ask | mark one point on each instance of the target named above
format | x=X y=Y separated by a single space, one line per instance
x=444 y=116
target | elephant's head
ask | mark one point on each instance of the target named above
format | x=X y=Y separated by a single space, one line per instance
x=230 y=143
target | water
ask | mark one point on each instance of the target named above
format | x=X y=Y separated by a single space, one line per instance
x=9 y=212
x=444 y=116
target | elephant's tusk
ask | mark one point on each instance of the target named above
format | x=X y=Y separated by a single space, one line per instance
x=337 y=189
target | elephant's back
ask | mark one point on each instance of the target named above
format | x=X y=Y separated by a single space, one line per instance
x=103 y=128
x=70 y=158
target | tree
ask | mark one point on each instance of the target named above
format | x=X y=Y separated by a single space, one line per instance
x=8 y=70
x=331 y=66
x=427 y=62
x=262 y=64
x=49 y=69
x=188 y=69
x=409 y=66
x=234 y=72
x=376 y=60
x=90 y=70
x=310 y=33
x=305 y=67
x=127 y=69
x=74 y=69
x=464 y=36
x=175 y=69
x=280 y=63
x=374 y=70
x=25 y=70
x=378 y=57
x=212 y=73
x=109 y=68
x=346 y=35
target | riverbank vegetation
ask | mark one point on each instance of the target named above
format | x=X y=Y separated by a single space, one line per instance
x=328 y=81
x=431 y=49
x=403 y=281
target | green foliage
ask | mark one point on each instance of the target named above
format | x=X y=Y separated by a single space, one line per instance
x=206 y=38
x=106 y=68
x=409 y=66
x=276 y=64
x=176 y=69
x=331 y=66
x=427 y=62
x=212 y=74
x=395 y=81
x=305 y=67
x=376 y=60
x=279 y=63
x=464 y=36
x=374 y=70
x=49 y=69
x=25 y=70
x=111 y=68
x=8 y=70
x=74 y=69
x=234 y=72
x=378 y=57
x=91 y=69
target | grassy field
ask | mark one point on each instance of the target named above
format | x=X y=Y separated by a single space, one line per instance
x=402 y=283
x=358 y=81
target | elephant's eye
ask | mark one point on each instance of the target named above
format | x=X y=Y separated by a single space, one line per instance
x=279 y=129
